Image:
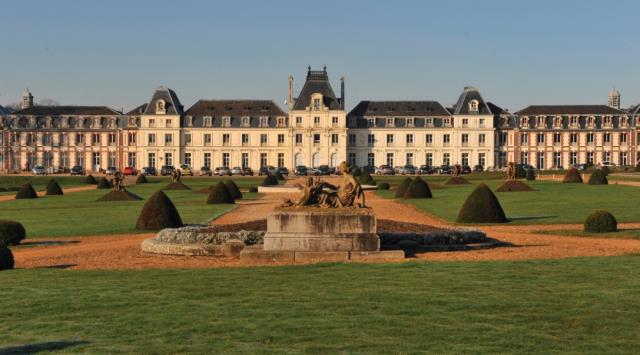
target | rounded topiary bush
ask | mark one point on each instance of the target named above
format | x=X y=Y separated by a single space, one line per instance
x=220 y=194
x=158 y=213
x=89 y=179
x=233 y=189
x=600 y=222
x=53 y=188
x=26 y=191
x=253 y=189
x=402 y=188
x=270 y=180
x=11 y=232
x=482 y=206
x=598 y=177
x=278 y=175
x=6 y=258
x=531 y=174
x=572 y=177
x=103 y=183
x=141 y=179
x=383 y=186
x=418 y=189
x=366 y=179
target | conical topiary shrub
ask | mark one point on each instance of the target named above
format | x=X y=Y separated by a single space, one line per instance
x=598 y=177
x=481 y=206
x=600 y=222
x=270 y=180
x=418 y=189
x=402 y=188
x=6 y=258
x=89 y=179
x=233 y=189
x=53 y=188
x=141 y=179
x=158 y=213
x=278 y=175
x=220 y=194
x=572 y=177
x=26 y=191
x=366 y=179
x=103 y=183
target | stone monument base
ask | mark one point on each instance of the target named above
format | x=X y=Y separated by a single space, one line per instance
x=260 y=255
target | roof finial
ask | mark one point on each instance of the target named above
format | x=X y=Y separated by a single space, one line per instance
x=324 y=68
x=309 y=70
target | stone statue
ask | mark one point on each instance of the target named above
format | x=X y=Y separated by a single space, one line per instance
x=456 y=171
x=118 y=181
x=511 y=171
x=316 y=193
x=176 y=175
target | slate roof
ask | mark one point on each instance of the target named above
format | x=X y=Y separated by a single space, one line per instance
x=317 y=82
x=219 y=108
x=462 y=106
x=67 y=111
x=399 y=108
x=569 y=110
x=172 y=103
x=138 y=110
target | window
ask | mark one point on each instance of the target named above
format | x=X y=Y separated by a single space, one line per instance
x=465 y=122
x=607 y=157
x=502 y=138
x=574 y=139
x=408 y=159
x=131 y=138
x=281 y=122
x=590 y=157
x=280 y=160
x=481 y=122
x=264 y=121
x=298 y=121
x=482 y=159
x=557 y=138
x=390 y=159
x=389 y=139
x=623 y=159
x=371 y=140
x=465 y=139
x=473 y=105
x=298 y=138
x=573 y=122
x=316 y=104
x=62 y=140
x=187 y=139
x=410 y=122
x=428 y=122
x=160 y=107
x=590 y=138
x=95 y=138
x=245 y=160
x=225 y=160
x=446 y=139
x=246 y=121
x=96 y=160
x=557 y=159
x=428 y=158
x=391 y=122
x=540 y=138
x=207 y=160
x=482 y=138
x=574 y=158
x=226 y=122
x=623 y=138
x=540 y=161
x=409 y=139
x=167 y=123
x=207 y=121
x=280 y=139
x=371 y=122
x=446 y=159
x=464 y=158
x=245 y=139
x=316 y=121
x=207 y=139
x=524 y=158
x=152 y=122
x=334 y=121
x=226 y=139
x=428 y=139
x=351 y=158
x=316 y=138
x=168 y=158
x=131 y=159
x=151 y=160
x=371 y=159
x=168 y=139
x=152 y=139
x=607 y=137
x=263 y=160
x=263 y=139
x=334 y=138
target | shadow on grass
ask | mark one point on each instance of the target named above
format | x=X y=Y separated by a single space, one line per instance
x=40 y=347
x=59 y=266
x=529 y=218
x=46 y=243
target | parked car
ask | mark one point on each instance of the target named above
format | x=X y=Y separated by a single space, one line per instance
x=129 y=170
x=39 y=170
x=272 y=169
x=580 y=166
x=324 y=170
x=466 y=169
x=111 y=170
x=149 y=171
x=385 y=170
x=478 y=168
x=408 y=170
x=186 y=170
x=77 y=170
x=205 y=171
x=263 y=171
x=444 y=170
x=283 y=171
x=167 y=170
x=301 y=170
x=223 y=171
x=608 y=164
x=425 y=170
x=369 y=169
x=246 y=171
x=236 y=171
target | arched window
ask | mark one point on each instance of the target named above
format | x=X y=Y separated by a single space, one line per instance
x=317 y=158
x=160 y=107
x=334 y=159
x=473 y=105
x=299 y=159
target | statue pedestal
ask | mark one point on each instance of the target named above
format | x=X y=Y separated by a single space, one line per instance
x=321 y=230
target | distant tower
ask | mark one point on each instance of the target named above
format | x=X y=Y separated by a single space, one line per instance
x=614 y=98
x=342 y=92
x=27 y=99
x=290 y=94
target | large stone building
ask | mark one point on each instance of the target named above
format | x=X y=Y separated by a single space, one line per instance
x=315 y=131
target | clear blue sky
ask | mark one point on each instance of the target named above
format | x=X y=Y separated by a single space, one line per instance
x=518 y=53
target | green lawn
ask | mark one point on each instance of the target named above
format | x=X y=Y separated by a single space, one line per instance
x=78 y=213
x=552 y=202
x=39 y=183
x=585 y=305
x=620 y=234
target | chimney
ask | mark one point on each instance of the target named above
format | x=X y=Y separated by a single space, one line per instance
x=342 y=92
x=290 y=95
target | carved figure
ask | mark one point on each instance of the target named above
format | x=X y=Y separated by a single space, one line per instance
x=511 y=171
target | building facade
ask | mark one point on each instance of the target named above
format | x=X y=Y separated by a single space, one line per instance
x=316 y=131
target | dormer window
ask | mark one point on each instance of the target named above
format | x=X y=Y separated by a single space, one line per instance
x=189 y=121
x=391 y=122
x=371 y=122
x=623 y=121
x=542 y=121
x=428 y=122
x=590 y=121
x=226 y=121
x=557 y=122
x=316 y=104
x=524 y=122
x=446 y=122
x=281 y=122
x=316 y=101
x=473 y=105
x=161 y=107
x=573 y=121
x=246 y=121
x=607 y=120
x=207 y=122
x=410 y=122
x=264 y=121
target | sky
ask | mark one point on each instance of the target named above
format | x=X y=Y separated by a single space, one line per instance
x=518 y=53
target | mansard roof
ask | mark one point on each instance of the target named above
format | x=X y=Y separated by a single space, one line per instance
x=469 y=94
x=67 y=111
x=317 y=82
x=5 y=110
x=172 y=103
x=569 y=110
x=399 y=108
x=138 y=110
x=235 y=108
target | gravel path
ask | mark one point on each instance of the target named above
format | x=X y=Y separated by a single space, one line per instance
x=42 y=193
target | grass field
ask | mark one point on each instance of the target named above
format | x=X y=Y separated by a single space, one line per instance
x=78 y=213
x=552 y=202
x=620 y=234
x=582 y=305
